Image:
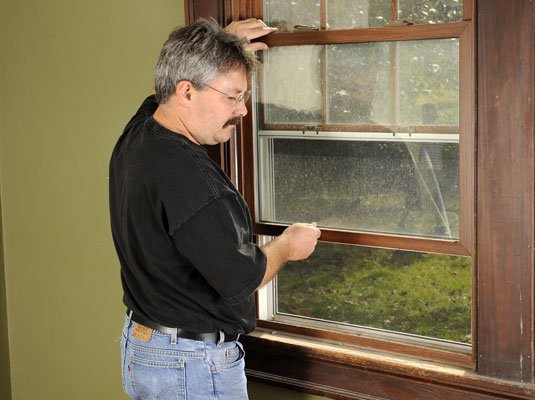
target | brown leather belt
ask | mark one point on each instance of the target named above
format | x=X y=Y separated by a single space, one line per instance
x=213 y=337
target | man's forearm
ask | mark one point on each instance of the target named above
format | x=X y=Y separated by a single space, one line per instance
x=276 y=255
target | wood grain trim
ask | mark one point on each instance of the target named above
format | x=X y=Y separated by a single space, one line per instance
x=365 y=35
x=370 y=374
x=506 y=165
x=451 y=358
x=376 y=240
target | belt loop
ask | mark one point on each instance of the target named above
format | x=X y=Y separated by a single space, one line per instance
x=130 y=312
x=174 y=334
x=221 y=338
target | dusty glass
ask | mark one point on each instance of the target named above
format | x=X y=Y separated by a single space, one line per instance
x=285 y=15
x=359 y=84
x=428 y=75
x=431 y=11
x=381 y=186
x=291 y=85
x=402 y=291
x=343 y=14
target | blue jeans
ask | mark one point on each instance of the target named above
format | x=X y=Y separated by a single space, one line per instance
x=189 y=369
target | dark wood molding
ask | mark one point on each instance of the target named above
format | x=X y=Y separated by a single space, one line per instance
x=357 y=375
x=222 y=11
x=412 y=350
x=505 y=222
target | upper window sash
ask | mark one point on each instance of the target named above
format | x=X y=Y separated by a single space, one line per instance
x=461 y=30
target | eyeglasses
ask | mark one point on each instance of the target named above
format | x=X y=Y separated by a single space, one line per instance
x=244 y=97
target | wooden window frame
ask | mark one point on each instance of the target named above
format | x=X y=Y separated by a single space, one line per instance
x=501 y=243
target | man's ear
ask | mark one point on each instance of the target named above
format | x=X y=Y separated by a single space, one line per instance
x=183 y=93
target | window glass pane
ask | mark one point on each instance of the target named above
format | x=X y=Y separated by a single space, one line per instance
x=292 y=85
x=416 y=293
x=431 y=11
x=385 y=186
x=428 y=82
x=284 y=14
x=347 y=14
x=359 y=84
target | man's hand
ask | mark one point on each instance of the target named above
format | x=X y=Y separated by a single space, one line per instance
x=301 y=240
x=249 y=29
x=297 y=242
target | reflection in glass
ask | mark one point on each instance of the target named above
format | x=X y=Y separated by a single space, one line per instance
x=428 y=82
x=396 y=84
x=292 y=79
x=284 y=14
x=431 y=11
x=359 y=84
x=417 y=293
x=343 y=14
x=395 y=187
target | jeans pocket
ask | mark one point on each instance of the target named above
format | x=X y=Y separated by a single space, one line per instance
x=233 y=357
x=155 y=377
x=228 y=374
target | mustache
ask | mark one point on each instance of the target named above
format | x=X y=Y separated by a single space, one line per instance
x=232 y=121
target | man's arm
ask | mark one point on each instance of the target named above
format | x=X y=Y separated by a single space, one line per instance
x=297 y=242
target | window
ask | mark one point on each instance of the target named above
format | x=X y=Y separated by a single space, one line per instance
x=500 y=249
x=359 y=125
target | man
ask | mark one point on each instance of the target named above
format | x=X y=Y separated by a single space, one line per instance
x=189 y=266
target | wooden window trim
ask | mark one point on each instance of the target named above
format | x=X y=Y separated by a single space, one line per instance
x=351 y=372
x=463 y=247
x=365 y=35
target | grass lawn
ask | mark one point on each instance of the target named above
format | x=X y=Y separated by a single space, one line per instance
x=417 y=293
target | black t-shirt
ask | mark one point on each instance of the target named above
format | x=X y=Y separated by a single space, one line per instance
x=182 y=232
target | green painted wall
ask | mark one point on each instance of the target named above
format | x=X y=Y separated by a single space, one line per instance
x=71 y=75
x=5 y=375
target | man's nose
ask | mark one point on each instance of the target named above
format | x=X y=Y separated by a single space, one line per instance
x=241 y=110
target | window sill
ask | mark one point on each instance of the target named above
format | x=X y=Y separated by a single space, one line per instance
x=344 y=371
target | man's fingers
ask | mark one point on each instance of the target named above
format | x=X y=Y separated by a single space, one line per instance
x=256 y=46
x=249 y=29
x=254 y=33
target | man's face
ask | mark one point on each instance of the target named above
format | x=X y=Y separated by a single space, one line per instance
x=214 y=109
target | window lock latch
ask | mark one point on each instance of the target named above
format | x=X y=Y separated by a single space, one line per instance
x=311 y=129
x=400 y=22
x=305 y=28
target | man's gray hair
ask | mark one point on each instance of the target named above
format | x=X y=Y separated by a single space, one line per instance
x=198 y=53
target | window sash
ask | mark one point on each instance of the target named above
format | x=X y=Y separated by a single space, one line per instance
x=460 y=30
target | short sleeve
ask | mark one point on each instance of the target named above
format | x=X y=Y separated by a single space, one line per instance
x=216 y=241
x=146 y=110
